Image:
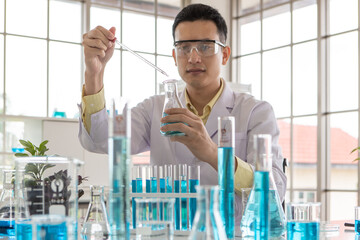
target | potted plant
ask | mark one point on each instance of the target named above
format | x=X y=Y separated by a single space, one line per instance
x=51 y=190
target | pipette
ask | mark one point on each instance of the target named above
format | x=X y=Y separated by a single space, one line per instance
x=142 y=58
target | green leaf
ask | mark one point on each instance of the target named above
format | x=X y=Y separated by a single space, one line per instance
x=357 y=159
x=31 y=151
x=46 y=166
x=27 y=144
x=21 y=155
x=31 y=168
x=355 y=149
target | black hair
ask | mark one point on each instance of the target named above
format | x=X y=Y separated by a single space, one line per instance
x=194 y=12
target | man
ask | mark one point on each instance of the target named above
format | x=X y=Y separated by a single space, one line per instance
x=199 y=33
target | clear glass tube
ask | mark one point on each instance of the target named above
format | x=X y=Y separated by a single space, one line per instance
x=169 y=178
x=183 y=201
x=226 y=170
x=207 y=223
x=177 y=200
x=194 y=180
x=96 y=225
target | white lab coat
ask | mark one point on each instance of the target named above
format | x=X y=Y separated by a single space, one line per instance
x=251 y=117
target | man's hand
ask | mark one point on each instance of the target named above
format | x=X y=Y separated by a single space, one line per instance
x=196 y=137
x=98 y=49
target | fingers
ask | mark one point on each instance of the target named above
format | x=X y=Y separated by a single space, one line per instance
x=99 y=38
x=184 y=111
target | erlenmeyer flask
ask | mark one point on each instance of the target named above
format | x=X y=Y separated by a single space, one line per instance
x=207 y=222
x=7 y=204
x=277 y=221
x=96 y=225
x=171 y=101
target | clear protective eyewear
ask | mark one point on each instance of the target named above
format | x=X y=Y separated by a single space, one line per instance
x=205 y=48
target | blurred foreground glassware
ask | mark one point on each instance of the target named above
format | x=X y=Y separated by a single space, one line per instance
x=7 y=204
x=357 y=220
x=207 y=222
x=277 y=221
x=148 y=223
x=96 y=225
x=46 y=197
x=119 y=164
x=171 y=101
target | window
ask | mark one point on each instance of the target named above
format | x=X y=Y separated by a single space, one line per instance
x=308 y=71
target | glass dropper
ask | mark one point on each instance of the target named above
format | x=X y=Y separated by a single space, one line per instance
x=142 y=58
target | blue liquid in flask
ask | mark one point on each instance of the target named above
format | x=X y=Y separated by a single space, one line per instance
x=170 y=133
x=192 y=201
x=7 y=228
x=226 y=182
x=357 y=227
x=303 y=230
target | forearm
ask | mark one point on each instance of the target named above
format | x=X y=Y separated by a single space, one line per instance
x=93 y=82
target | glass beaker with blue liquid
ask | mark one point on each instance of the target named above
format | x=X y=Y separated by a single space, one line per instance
x=7 y=204
x=171 y=101
x=276 y=221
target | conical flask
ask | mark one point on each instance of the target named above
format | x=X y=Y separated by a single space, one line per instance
x=7 y=204
x=207 y=223
x=96 y=225
x=171 y=101
x=277 y=221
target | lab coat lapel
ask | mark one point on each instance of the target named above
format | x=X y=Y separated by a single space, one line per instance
x=222 y=107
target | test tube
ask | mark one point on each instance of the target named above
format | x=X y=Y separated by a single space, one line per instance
x=148 y=179
x=194 y=180
x=162 y=188
x=154 y=189
x=133 y=189
x=183 y=183
x=168 y=178
x=177 y=200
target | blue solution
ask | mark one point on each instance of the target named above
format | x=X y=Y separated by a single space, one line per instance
x=226 y=181
x=192 y=201
x=177 y=205
x=17 y=150
x=357 y=227
x=148 y=185
x=23 y=230
x=7 y=228
x=133 y=188
x=183 y=205
x=44 y=231
x=154 y=190
x=303 y=230
x=170 y=133
x=162 y=190
x=119 y=214
x=261 y=193
x=168 y=184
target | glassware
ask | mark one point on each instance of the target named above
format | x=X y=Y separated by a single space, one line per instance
x=357 y=220
x=303 y=221
x=177 y=200
x=194 y=180
x=7 y=204
x=168 y=178
x=148 y=179
x=183 y=201
x=119 y=162
x=226 y=170
x=207 y=222
x=148 y=223
x=96 y=225
x=171 y=101
x=277 y=221
x=49 y=188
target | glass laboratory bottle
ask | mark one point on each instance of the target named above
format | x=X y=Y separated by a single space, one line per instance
x=171 y=101
x=207 y=221
x=277 y=221
x=7 y=205
x=226 y=169
x=119 y=162
x=96 y=225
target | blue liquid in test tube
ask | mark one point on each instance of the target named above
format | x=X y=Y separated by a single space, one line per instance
x=148 y=181
x=192 y=184
x=177 y=200
x=154 y=190
x=162 y=188
x=133 y=189
x=183 y=182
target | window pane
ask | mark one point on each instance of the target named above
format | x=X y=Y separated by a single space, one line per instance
x=250 y=34
x=250 y=73
x=284 y=142
x=276 y=27
x=342 y=205
x=343 y=15
x=248 y=6
x=169 y=8
x=138 y=78
x=343 y=138
x=304 y=196
x=270 y=3
x=1 y=138
x=143 y=6
x=305 y=152
x=65 y=28
x=33 y=14
x=106 y=17
x=64 y=78
x=276 y=80
x=139 y=32
x=168 y=65
x=305 y=78
x=2 y=6
x=164 y=36
x=304 y=20
x=112 y=77
x=14 y=132
x=25 y=76
x=344 y=72
x=1 y=74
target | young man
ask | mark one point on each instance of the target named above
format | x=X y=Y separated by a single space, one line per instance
x=200 y=34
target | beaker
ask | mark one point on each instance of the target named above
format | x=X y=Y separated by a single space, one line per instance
x=49 y=187
x=207 y=222
x=96 y=225
x=277 y=221
x=7 y=204
x=171 y=101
